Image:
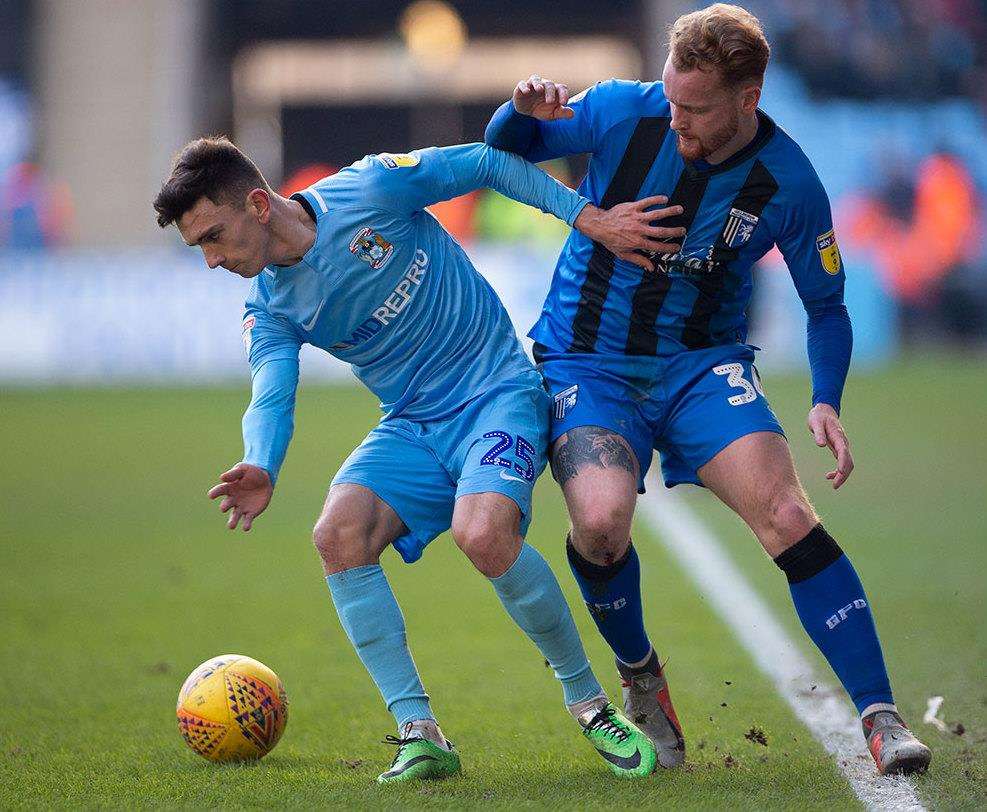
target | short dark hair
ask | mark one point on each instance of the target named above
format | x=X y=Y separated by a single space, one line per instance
x=723 y=37
x=207 y=167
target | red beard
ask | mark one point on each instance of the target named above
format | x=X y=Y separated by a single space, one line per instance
x=694 y=149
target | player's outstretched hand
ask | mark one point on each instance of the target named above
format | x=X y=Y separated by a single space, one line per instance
x=246 y=491
x=628 y=229
x=827 y=430
x=542 y=99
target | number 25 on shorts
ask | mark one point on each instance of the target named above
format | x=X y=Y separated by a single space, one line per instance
x=522 y=448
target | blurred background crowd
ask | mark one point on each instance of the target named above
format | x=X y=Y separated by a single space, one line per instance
x=915 y=50
x=887 y=97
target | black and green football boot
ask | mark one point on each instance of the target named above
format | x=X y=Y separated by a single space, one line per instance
x=628 y=751
x=420 y=759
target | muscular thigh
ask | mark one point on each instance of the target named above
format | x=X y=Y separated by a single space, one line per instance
x=355 y=527
x=598 y=409
x=396 y=465
x=755 y=475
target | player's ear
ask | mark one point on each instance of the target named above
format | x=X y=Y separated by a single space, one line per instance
x=259 y=205
x=750 y=98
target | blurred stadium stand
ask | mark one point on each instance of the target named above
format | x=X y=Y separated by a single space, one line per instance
x=918 y=50
x=887 y=97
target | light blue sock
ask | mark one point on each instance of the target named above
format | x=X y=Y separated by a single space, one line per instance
x=373 y=622
x=532 y=597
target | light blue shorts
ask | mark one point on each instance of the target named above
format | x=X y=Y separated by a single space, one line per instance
x=497 y=443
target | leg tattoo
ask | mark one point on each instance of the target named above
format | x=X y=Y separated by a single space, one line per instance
x=590 y=445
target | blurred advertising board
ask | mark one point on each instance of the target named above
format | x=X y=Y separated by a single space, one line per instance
x=161 y=316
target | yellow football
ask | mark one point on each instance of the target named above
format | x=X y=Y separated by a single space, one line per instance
x=232 y=708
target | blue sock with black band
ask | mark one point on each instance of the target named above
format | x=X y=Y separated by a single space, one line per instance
x=613 y=596
x=833 y=608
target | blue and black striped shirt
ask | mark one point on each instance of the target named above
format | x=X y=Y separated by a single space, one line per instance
x=766 y=194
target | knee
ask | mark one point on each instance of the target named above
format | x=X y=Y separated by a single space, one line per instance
x=490 y=548
x=602 y=532
x=341 y=544
x=788 y=518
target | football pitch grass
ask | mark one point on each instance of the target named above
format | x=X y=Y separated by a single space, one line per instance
x=119 y=577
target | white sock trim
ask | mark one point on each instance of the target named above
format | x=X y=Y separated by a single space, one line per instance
x=877 y=707
x=427 y=729
x=577 y=709
x=639 y=663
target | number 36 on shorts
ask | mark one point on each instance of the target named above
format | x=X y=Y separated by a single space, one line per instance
x=750 y=389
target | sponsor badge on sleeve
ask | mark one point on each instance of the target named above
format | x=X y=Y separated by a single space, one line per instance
x=829 y=252
x=398 y=160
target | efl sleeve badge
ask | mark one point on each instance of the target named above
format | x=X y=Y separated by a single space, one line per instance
x=394 y=160
x=829 y=252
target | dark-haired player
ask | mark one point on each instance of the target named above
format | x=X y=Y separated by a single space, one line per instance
x=354 y=265
x=655 y=357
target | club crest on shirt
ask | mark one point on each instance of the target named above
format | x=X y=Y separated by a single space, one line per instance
x=565 y=400
x=398 y=160
x=829 y=252
x=369 y=246
x=739 y=228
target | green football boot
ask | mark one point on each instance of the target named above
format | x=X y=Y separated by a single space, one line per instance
x=419 y=759
x=628 y=751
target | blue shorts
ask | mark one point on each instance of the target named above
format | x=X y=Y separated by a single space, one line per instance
x=688 y=406
x=496 y=442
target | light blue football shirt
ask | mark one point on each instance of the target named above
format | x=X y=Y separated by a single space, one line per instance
x=386 y=289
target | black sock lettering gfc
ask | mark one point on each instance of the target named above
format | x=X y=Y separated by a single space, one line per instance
x=831 y=604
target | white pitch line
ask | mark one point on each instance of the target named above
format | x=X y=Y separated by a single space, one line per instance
x=823 y=711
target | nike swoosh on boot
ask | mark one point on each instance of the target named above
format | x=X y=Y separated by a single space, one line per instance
x=624 y=762
x=416 y=760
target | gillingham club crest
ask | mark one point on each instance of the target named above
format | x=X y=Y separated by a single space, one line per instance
x=739 y=228
x=565 y=401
